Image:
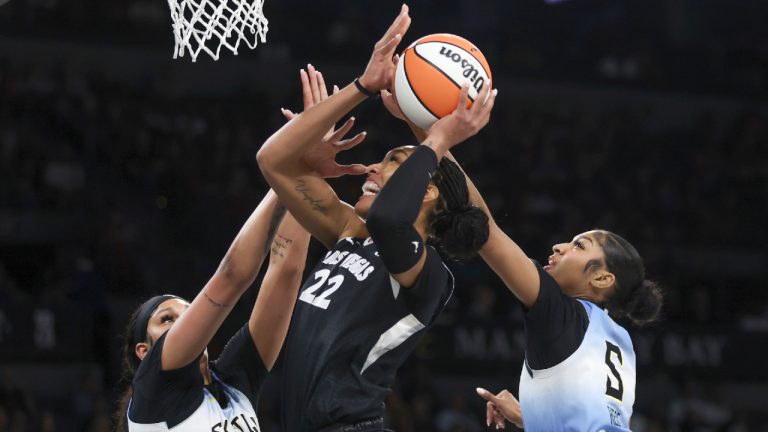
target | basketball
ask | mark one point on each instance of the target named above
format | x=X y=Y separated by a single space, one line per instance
x=430 y=73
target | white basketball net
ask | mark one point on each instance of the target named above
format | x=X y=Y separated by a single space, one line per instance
x=207 y=25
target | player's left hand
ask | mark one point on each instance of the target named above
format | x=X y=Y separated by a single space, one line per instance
x=380 y=69
x=500 y=407
x=322 y=156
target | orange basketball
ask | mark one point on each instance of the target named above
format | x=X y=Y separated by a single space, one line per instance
x=430 y=73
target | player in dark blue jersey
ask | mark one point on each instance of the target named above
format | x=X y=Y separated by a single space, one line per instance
x=173 y=386
x=382 y=284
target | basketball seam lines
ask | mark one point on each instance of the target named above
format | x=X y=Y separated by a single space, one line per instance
x=441 y=71
x=413 y=91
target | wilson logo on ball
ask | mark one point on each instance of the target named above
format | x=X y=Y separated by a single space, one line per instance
x=430 y=73
x=470 y=71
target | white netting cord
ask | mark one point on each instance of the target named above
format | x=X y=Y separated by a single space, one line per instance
x=207 y=25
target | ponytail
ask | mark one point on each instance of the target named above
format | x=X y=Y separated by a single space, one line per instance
x=458 y=235
x=635 y=297
x=458 y=229
x=129 y=365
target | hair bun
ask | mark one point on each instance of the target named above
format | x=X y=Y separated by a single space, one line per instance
x=645 y=303
x=461 y=232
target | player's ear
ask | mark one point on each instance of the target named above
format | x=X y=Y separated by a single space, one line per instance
x=432 y=194
x=602 y=280
x=141 y=349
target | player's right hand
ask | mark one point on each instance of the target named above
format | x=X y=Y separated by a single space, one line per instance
x=500 y=407
x=464 y=121
x=321 y=157
x=380 y=70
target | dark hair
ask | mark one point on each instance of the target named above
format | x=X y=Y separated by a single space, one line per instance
x=135 y=332
x=634 y=296
x=129 y=365
x=457 y=229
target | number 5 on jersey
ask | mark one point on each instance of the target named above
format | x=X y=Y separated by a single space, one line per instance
x=322 y=301
x=616 y=392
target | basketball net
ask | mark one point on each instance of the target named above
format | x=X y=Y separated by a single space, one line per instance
x=208 y=25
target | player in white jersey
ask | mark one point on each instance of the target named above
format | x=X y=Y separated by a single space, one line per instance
x=173 y=386
x=579 y=372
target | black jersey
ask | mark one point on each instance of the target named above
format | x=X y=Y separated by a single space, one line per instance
x=554 y=326
x=177 y=400
x=352 y=328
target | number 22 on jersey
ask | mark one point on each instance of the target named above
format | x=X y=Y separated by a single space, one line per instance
x=322 y=300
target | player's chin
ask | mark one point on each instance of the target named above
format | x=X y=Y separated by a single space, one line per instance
x=363 y=205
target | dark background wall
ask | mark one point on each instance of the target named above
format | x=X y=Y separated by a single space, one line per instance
x=124 y=173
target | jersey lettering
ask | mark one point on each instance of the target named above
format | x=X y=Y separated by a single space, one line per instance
x=250 y=424
x=335 y=257
x=236 y=424
x=365 y=273
x=350 y=261
x=358 y=266
x=610 y=390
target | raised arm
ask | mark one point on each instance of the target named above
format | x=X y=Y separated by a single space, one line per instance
x=189 y=336
x=272 y=312
x=504 y=256
x=300 y=187
x=396 y=208
x=500 y=252
x=283 y=161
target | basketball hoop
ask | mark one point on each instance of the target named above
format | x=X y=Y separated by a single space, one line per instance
x=207 y=25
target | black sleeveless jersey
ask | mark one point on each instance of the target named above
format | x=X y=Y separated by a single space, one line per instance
x=352 y=328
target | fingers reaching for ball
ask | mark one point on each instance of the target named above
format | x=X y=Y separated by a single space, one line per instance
x=380 y=69
x=463 y=122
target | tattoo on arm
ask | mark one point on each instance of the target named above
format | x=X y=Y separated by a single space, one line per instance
x=279 y=244
x=274 y=223
x=317 y=204
x=214 y=302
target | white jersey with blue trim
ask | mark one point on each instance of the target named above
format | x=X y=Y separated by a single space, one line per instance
x=238 y=415
x=591 y=390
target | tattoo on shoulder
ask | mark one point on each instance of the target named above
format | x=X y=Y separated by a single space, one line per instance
x=214 y=302
x=317 y=204
x=279 y=244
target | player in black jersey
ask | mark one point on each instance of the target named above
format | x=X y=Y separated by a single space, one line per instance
x=595 y=389
x=173 y=385
x=369 y=300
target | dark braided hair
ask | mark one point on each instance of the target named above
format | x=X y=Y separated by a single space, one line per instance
x=457 y=229
x=634 y=297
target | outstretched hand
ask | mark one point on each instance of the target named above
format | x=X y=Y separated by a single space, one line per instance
x=321 y=157
x=380 y=70
x=501 y=407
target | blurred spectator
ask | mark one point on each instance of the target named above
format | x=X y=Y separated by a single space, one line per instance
x=111 y=191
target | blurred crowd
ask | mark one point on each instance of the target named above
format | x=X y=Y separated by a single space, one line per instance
x=113 y=191
x=703 y=45
x=107 y=193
